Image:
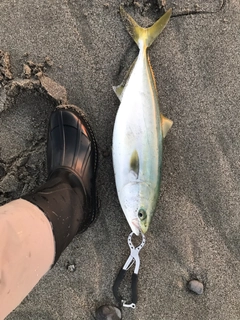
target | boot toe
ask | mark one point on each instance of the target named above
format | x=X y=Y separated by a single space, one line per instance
x=72 y=146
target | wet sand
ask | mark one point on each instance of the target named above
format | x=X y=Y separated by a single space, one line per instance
x=84 y=47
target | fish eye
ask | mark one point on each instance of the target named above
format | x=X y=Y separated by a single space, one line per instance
x=142 y=215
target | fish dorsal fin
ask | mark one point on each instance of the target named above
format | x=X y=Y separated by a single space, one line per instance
x=166 y=125
x=144 y=36
x=134 y=162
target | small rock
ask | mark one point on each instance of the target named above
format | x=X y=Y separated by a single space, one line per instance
x=26 y=71
x=71 y=267
x=108 y=313
x=54 y=89
x=195 y=286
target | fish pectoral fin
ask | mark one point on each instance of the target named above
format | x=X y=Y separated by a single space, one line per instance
x=166 y=125
x=118 y=90
x=134 y=162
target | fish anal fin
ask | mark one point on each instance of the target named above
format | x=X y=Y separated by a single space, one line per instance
x=166 y=125
x=134 y=162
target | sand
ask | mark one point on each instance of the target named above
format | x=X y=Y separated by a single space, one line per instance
x=84 y=47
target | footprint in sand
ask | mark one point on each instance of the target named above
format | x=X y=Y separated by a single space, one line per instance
x=25 y=107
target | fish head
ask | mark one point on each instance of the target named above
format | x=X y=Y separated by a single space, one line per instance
x=135 y=200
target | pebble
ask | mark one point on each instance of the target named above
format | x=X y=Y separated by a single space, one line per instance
x=26 y=71
x=71 y=267
x=54 y=89
x=195 y=286
x=108 y=313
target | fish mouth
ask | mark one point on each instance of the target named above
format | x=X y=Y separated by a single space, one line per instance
x=136 y=226
x=135 y=222
x=140 y=228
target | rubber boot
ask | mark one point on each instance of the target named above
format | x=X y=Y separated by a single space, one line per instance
x=68 y=198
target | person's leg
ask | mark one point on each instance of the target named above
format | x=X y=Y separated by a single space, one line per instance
x=27 y=251
x=64 y=205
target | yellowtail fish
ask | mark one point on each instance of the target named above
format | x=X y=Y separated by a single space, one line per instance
x=139 y=130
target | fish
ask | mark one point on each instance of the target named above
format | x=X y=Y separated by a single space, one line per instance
x=139 y=130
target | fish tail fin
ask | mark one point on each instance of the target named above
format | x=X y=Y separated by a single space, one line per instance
x=144 y=36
